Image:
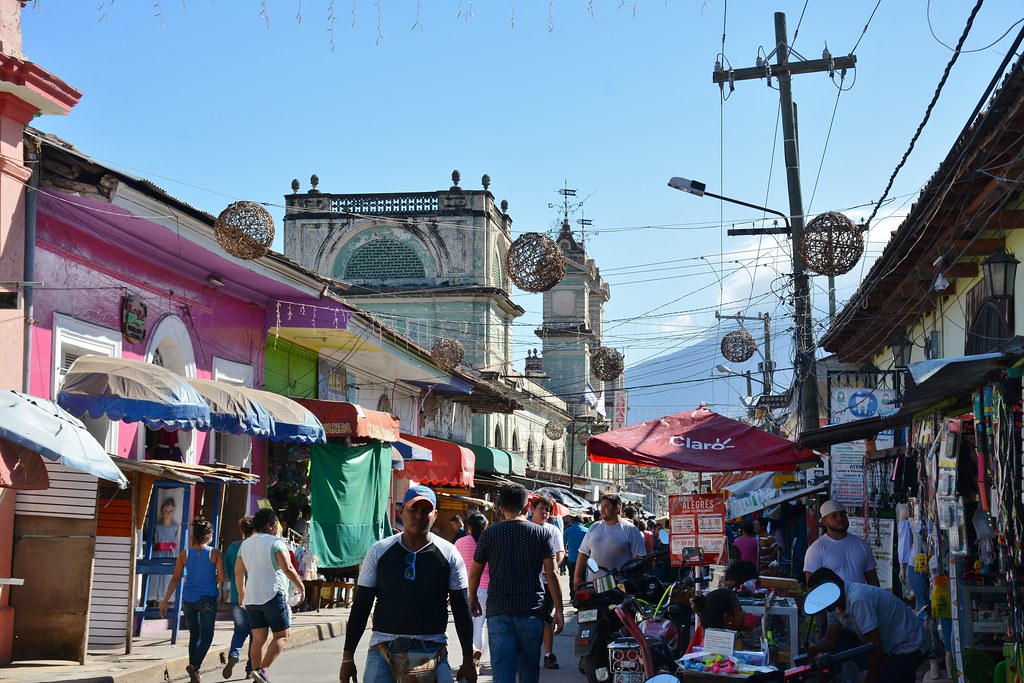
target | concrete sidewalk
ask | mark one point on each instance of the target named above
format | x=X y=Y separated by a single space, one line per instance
x=153 y=659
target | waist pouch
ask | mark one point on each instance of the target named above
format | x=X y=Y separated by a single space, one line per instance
x=413 y=660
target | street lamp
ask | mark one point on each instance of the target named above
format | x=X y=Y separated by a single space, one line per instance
x=803 y=331
x=697 y=188
x=1000 y=271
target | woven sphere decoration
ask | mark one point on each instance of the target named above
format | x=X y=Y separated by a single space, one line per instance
x=832 y=244
x=554 y=430
x=738 y=346
x=632 y=470
x=534 y=262
x=447 y=353
x=606 y=364
x=244 y=230
x=581 y=438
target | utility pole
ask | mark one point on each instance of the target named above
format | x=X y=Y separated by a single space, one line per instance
x=766 y=367
x=783 y=69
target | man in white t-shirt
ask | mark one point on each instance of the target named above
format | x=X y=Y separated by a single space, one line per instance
x=540 y=513
x=611 y=541
x=262 y=572
x=848 y=556
x=878 y=617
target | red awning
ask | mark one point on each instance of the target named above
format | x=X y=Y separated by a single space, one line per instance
x=452 y=464
x=351 y=419
x=700 y=440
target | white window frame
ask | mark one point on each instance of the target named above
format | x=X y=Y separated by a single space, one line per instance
x=78 y=335
x=239 y=375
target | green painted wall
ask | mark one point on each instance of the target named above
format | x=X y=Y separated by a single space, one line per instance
x=290 y=370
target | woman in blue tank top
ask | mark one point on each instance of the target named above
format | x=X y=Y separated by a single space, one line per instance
x=203 y=567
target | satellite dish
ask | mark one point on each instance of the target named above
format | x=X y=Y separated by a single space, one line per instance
x=822 y=598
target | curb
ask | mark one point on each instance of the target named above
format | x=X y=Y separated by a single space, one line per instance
x=173 y=669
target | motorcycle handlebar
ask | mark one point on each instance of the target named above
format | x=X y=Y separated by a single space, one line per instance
x=827 y=659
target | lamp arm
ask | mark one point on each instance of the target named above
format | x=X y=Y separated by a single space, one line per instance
x=781 y=215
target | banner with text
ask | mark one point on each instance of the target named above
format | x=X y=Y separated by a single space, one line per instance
x=697 y=521
x=880 y=538
x=849 y=404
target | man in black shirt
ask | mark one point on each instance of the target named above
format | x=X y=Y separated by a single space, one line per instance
x=413 y=576
x=515 y=550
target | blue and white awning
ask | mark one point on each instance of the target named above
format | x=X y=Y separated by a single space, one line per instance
x=132 y=391
x=292 y=421
x=234 y=412
x=43 y=427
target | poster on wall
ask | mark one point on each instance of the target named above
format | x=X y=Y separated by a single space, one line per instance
x=697 y=521
x=849 y=404
x=880 y=538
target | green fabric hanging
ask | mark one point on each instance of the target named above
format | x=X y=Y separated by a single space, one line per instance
x=349 y=488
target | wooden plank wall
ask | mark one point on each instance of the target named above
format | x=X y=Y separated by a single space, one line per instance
x=110 y=601
x=54 y=542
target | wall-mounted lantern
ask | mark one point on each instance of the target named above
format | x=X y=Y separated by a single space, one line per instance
x=1000 y=271
x=901 y=350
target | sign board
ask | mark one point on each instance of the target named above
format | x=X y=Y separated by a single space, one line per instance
x=849 y=404
x=621 y=409
x=697 y=521
x=880 y=538
x=133 y=318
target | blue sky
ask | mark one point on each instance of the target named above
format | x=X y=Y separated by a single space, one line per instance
x=612 y=98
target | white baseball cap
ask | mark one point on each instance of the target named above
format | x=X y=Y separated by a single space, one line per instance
x=830 y=506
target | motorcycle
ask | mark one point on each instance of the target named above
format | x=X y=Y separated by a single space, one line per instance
x=597 y=621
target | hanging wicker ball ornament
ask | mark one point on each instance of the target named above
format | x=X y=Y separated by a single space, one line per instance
x=554 y=430
x=678 y=474
x=244 y=230
x=581 y=438
x=534 y=262
x=632 y=470
x=738 y=346
x=447 y=353
x=832 y=244
x=606 y=364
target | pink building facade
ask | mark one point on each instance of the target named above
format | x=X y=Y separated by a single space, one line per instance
x=129 y=272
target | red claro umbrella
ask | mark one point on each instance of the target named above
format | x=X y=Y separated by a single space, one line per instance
x=700 y=440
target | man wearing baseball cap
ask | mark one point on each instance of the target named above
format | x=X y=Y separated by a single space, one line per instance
x=848 y=556
x=412 y=576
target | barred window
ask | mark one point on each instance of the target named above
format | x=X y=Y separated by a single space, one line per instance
x=384 y=258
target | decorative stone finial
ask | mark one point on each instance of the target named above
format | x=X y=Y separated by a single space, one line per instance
x=295 y=185
x=504 y=206
x=314 y=180
x=456 y=177
x=486 y=181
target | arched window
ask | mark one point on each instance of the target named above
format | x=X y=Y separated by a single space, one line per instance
x=543 y=457
x=383 y=258
x=384 y=404
x=515 y=442
x=529 y=454
x=497 y=436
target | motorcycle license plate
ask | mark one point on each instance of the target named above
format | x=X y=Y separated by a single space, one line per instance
x=586 y=616
x=628 y=677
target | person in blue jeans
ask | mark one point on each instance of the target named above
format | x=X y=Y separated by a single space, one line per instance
x=203 y=567
x=238 y=615
x=516 y=550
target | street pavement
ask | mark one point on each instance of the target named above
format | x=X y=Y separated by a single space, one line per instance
x=314 y=654
x=320 y=661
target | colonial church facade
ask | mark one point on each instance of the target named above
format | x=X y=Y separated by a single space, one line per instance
x=431 y=265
